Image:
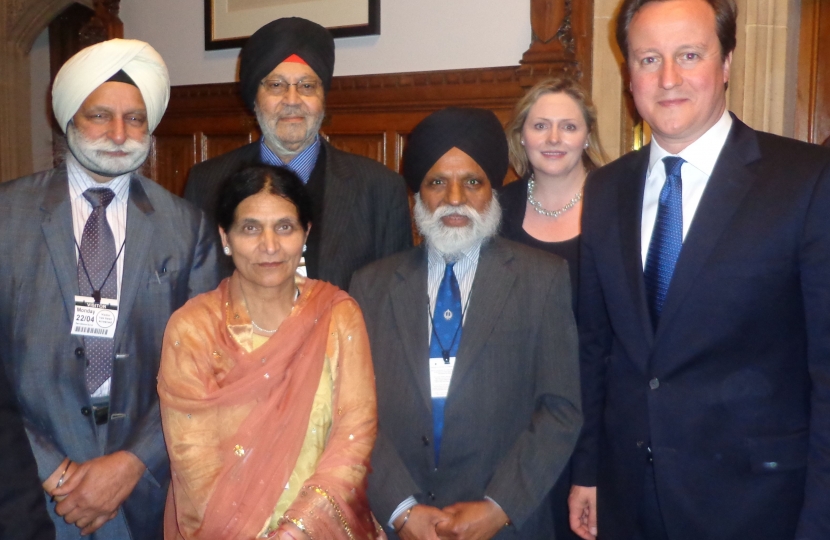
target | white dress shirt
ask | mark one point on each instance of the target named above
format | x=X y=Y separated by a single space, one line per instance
x=700 y=157
x=80 y=181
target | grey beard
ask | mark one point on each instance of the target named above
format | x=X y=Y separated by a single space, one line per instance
x=87 y=153
x=452 y=242
x=275 y=144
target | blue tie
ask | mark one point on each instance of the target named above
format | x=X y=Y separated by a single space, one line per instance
x=666 y=240
x=446 y=335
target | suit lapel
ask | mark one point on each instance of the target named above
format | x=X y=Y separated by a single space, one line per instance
x=491 y=287
x=136 y=252
x=339 y=205
x=729 y=183
x=631 y=211
x=60 y=237
x=411 y=322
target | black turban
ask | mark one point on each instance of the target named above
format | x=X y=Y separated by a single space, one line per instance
x=476 y=132
x=278 y=40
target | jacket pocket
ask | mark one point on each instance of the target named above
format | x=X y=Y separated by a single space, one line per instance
x=781 y=453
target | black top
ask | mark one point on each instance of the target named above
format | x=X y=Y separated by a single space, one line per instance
x=513 y=199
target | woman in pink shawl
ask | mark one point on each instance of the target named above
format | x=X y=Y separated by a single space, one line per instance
x=266 y=385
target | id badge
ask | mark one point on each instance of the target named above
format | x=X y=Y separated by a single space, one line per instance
x=440 y=373
x=95 y=320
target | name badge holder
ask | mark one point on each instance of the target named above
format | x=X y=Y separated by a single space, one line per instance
x=95 y=316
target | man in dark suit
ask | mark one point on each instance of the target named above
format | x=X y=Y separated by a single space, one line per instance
x=361 y=209
x=475 y=423
x=22 y=510
x=704 y=307
x=97 y=259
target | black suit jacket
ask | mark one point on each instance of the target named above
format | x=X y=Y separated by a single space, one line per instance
x=365 y=213
x=732 y=391
x=22 y=509
x=512 y=414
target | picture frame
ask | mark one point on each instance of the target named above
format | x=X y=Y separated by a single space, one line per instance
x=229 y=23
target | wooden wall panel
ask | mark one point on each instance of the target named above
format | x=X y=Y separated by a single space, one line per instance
x=216 y=144
x=173 y=157
x=813 y=96
x=371 y=145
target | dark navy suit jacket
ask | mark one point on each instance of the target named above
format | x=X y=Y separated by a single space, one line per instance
x=732 y=390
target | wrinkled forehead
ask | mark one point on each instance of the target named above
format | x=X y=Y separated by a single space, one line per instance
x=115 y=96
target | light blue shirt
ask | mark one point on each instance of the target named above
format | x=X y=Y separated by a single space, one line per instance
x=303 y=163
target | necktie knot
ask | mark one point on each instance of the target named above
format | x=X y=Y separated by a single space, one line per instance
x=673 y=164
x=99 y=197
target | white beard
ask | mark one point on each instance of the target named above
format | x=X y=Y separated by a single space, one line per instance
x=452 y=242
x=268 y=125
x=92 y=153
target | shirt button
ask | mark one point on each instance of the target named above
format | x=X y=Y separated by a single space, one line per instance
x=79 y=352
x=85 y=411
x=431 y=496
x=654 y=384
x=425 y=440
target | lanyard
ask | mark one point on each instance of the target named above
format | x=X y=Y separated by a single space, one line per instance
x=445 y=351
x=96 y=293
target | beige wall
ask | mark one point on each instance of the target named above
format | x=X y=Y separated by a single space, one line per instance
x=762 y=88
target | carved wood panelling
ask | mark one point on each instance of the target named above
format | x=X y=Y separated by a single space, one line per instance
x=172 y=159
x=215 y=144
x=371 y=145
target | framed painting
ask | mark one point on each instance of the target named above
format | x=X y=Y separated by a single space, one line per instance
x=228 y=23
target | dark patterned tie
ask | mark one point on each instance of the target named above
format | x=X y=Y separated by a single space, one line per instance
x=446 y=335
x=666 y=240
x=98 y=276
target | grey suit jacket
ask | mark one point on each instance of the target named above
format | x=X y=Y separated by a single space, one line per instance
x=365 y=208
x=513 y=413
x=170 y=256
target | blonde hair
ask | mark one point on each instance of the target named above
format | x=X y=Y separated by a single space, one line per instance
x=593 y=157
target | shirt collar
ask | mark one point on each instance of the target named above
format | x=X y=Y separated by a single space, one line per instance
x=303 y=163
x=470 y=255
x=701 y=154
x=80 y=181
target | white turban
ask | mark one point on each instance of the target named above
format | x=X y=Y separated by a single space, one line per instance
x=86 y=71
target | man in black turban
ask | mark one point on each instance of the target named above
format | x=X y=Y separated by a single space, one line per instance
x=361 y=210
x=478 y=388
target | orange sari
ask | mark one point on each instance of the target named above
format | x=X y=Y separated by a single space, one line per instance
x=234 y=421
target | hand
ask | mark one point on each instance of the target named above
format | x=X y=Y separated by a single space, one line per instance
x=289 y=531
x=478 y=520
x=421 y=523
x=65 y=469
x=582 y=503
x=95 y=490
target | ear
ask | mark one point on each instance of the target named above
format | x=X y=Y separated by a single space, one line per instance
x=727 y=64
x=224 y=237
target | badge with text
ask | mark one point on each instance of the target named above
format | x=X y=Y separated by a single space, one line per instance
x=440 y=373
x=95 y=319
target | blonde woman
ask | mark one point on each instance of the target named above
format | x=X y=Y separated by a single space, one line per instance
x=553 y=143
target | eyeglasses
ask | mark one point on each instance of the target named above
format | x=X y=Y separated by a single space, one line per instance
x=279 y=87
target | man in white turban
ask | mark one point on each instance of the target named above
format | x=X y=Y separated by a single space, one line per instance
x=97 y=257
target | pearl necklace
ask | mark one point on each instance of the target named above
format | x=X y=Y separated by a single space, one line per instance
x=531 y=183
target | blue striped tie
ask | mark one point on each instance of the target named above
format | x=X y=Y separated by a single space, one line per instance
x=446 y=335
x=666 y=240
